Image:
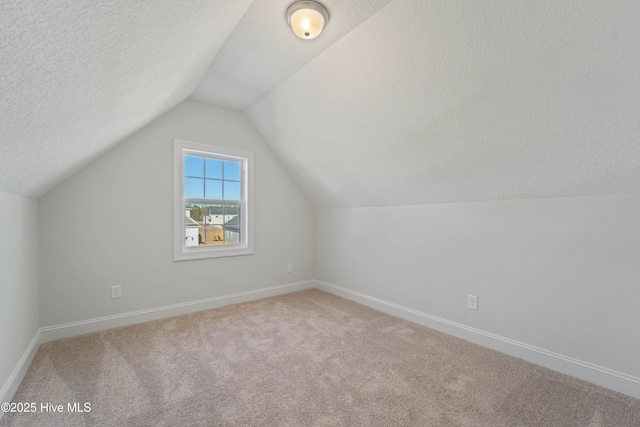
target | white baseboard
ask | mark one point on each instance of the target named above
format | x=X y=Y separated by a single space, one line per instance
x=604 y=377
x=51 y=333
x=13 y=382
x=67 y=330
x=595 y=374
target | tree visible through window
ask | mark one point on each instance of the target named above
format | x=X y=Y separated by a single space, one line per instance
x=214 y=199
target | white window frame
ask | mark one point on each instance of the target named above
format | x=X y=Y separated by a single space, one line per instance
x=181 y=252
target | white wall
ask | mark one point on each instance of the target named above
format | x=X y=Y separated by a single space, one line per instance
x=111 y=224
x=18 y=282
x=560 y=274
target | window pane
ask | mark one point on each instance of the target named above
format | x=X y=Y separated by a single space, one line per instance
x=194 y=166
x=232 y=171
x=194 y=213
x=219 y=223
x=231 y=190
x=232 y=225
x=213 y=168
x=213 y=189
x=193 y=223
x=194 y=188
x=215 y=215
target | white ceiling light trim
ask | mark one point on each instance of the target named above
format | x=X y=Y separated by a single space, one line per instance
x=307 y=18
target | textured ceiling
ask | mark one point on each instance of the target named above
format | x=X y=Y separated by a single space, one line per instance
x=436 y=101
x=78 y=76
x=397 y=102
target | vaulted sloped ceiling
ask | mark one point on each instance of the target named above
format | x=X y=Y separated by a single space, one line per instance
x=397 y=102
x=262 y=53
x=437 y=101
x=78 y=76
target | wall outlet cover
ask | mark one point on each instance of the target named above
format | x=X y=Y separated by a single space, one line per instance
x=116 y=291
x=472 y=302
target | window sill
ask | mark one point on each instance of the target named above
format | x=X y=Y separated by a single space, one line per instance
x=211 y=253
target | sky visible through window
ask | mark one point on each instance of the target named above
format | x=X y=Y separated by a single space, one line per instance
x=211 y=179
x=212 y=201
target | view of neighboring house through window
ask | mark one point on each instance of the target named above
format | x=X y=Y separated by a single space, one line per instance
x=214 y=199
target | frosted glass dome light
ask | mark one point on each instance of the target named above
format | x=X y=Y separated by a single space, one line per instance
x=307 y=18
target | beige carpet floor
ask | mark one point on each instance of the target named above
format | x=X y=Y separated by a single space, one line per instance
x=302 y=359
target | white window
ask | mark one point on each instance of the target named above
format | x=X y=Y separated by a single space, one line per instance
x=213 y=201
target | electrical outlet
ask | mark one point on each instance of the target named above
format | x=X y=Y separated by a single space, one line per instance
x=116 y=291
x=289 y=268
x=472 y=302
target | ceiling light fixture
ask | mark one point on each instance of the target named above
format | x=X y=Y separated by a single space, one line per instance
x=307 y=18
